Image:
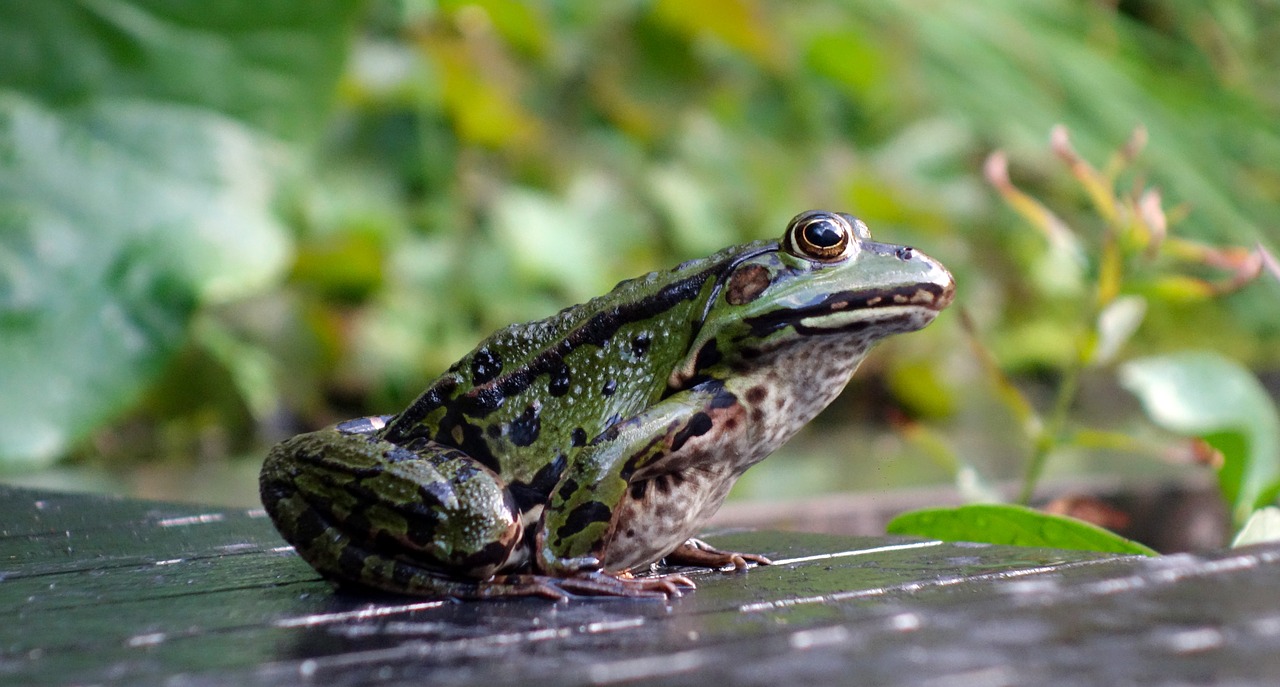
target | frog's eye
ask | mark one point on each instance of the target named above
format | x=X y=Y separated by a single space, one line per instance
x=822 y=236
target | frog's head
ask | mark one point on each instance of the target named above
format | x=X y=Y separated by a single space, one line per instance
x=824 y=278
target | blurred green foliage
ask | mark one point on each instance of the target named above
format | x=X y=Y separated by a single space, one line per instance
x=480 y=163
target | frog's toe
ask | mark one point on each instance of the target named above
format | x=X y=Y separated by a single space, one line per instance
x=606 y=584
x=524 y=585
x=699 y=553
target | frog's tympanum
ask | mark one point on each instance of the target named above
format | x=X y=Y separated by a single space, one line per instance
x=560 y=455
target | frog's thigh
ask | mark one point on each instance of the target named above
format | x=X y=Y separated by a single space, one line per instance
x=354 y=503
x=585 y=508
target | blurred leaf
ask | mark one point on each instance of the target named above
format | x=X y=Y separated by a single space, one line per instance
x=1262 y=526
x=576 y=243
x=483 y=102
x=972 y=485
x=1116 y=324
x=919 y=386
x=1012 y=525
x=1204 y=395
x=1013 y=70
x=849 y=59
x=250 y=368
x=268 y=63
x=741 y=24
x=698 y=225
x=1177 y=288
x=136 y=180
x=347 y=266
x=517 y=22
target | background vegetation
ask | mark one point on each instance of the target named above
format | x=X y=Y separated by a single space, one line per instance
x=221 y=225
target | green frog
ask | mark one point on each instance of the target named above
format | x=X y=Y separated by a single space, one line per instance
x=563 y=454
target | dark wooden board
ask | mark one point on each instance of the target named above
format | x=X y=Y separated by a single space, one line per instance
x=109 y=591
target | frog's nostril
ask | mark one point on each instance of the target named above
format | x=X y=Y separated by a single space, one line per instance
x=905 y=253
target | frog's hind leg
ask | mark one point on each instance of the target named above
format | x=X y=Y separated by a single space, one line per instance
x=422 y=519
x=377 y=572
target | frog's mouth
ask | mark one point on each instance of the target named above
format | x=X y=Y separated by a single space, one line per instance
x=887 y=311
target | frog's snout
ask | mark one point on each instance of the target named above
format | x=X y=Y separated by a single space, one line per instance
x=948 y=289
x=937 y=287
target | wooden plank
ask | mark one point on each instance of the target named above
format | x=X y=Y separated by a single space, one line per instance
x=176 y=595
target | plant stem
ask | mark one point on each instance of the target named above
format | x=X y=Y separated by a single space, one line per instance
x=1050 y=434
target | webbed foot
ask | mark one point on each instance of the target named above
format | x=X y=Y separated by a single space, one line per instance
x=587 y=583
x=699 y=553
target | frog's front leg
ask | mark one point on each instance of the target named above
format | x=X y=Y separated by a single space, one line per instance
x=639 y=490
x=420 y=519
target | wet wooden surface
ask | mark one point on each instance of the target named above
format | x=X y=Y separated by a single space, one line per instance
x=105 y=591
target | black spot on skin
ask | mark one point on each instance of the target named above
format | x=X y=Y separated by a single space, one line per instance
x=421 y=532
x=481 y=402
x=402 y=574
x=485 y=365
x=538 y=490
x=708 y=356
x=757 y=415
x=662 y=484
x=583 y=516
x=405 y=424
x=676 y=477
x=473 y=443
x=637 y=490
x=723 y=399
x=631 y=533
x=351 y=563
x=640 y=345
x=567 y=489
x=493 y=553
x=560 y=380
x=756 y=394
x=609 y=387
x=525 y=429
x=308 y=527
x=609 y=434
x=698 y=425
x=578 y=437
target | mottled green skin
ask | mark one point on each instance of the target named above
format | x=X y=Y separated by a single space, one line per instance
x=561 y=453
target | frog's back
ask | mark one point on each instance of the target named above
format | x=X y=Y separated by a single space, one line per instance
x=530 y=393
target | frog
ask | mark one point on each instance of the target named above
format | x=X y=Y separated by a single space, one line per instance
x=565 y=457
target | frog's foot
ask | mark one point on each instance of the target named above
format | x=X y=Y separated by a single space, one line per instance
x=699 y=553
x=591 y=583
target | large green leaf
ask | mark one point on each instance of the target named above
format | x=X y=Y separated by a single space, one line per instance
x=142 y=143
x=1012 y=525
x=268 y=63
x=1204 y=395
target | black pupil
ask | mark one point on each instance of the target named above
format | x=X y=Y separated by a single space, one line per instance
x=822 y=233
